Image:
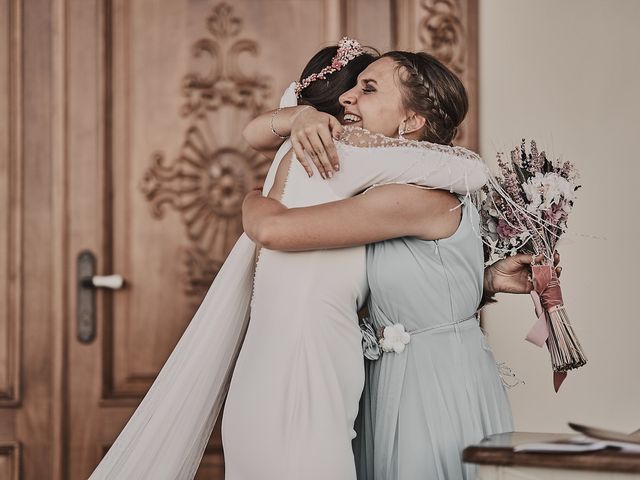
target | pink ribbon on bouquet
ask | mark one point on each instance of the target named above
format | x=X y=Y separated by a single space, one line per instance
x=546 y=294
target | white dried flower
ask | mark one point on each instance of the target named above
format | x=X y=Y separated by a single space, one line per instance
x=491 y=229
x=394 y=338
x=544 y=190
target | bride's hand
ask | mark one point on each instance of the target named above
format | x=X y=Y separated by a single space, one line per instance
x=512 y=274
x=313 y=132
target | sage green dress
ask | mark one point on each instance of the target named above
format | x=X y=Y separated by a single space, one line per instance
x=421 y=407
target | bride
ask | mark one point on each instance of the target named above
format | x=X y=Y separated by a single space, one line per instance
x=296 y=385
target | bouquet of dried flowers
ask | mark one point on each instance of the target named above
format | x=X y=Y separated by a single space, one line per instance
x=525 y=210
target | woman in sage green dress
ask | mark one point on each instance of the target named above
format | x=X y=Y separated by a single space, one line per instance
x=422 y=406
x=438 y=389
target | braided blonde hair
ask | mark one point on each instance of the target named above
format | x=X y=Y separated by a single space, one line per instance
x=433 y=91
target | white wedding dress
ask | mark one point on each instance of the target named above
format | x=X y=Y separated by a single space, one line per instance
x=297 y=381
x=296 y=386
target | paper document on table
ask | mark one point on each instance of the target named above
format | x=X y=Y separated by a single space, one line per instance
x=591 y=439
x=576 y=444
x=625 y=441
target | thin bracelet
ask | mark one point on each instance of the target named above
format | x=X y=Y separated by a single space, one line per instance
x=273 y=116
x=295 y=115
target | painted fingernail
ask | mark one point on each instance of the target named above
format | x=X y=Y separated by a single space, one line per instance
x=330 y=173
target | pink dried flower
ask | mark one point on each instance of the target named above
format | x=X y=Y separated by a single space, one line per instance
x=555 y=214
x=507 y=231
x=348 y=49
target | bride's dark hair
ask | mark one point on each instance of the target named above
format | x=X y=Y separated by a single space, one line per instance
x=430 y=89
x=324 y=94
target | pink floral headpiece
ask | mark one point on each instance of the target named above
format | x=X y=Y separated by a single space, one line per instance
x=348 y=49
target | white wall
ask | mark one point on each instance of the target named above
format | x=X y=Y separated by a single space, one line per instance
x=567 y=73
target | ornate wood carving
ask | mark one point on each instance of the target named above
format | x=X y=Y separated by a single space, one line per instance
x=207 y=182
x=225 y=82
x=11 y=205
x=442 y=32
x=447 y=31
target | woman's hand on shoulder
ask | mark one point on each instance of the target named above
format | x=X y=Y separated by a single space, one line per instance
x=313 y=132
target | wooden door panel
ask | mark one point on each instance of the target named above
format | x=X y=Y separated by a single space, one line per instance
x=372 y=23
x=87 y=210
x=23 y=367
x=10 y=207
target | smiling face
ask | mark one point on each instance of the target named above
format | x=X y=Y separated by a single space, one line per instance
x=375 y=103
x=323 y=93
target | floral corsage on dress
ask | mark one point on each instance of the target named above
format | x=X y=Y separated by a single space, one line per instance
x=392 y=338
